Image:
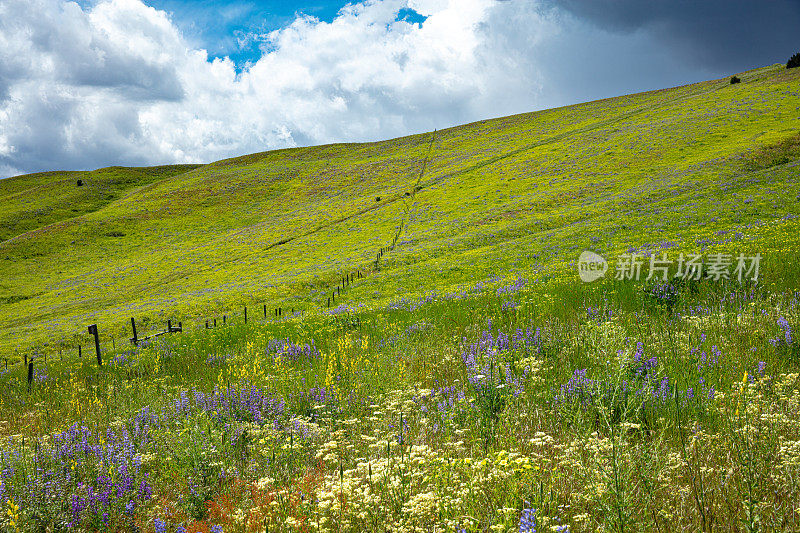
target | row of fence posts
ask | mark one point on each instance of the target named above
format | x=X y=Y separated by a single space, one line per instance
x=383 y=250
x=346 y=281
x=26 y=364
x=95 y=333
x=389 y=248
x=135 y=339
x=349 y=278
x=278 y=312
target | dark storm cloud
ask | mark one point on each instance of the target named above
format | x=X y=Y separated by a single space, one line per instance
x=729 y=34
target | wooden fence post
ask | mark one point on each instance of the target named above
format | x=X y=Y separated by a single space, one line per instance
x=245 y=315
x=93 y=331
x=215 y=322
x=79 y=351
x=135 y=339
x=265 y=310
x=30 y=375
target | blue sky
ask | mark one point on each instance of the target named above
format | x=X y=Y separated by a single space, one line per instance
x=227 y=28
x=220 y=27
x=138 y=82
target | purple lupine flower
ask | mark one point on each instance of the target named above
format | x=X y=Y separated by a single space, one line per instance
x=787 y=330
x=702 y=363
x=160 y=526
x=216 y=528
x=578 y=387
x=644 y=370
x=664 y=389
x=513 y=288
x=145 y=492
x=527 y=521
x=716 y=354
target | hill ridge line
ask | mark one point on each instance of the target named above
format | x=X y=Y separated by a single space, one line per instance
x=560 y=136
x=130 y=193
x=487 y=162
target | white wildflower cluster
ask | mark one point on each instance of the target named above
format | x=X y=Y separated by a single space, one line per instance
x=413 y=486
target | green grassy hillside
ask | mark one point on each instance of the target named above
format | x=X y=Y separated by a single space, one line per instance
x=469 y=382
x=707 y=166
x=37 y=200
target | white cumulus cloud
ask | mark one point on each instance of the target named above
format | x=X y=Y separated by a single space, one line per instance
x=117 y=83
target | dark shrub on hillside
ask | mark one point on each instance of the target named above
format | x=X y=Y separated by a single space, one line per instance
x=735 y=79
x=794 y=61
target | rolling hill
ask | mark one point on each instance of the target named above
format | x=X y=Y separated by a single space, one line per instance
x=709 y=166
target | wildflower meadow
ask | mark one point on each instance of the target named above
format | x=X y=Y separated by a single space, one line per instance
x=467 y=379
